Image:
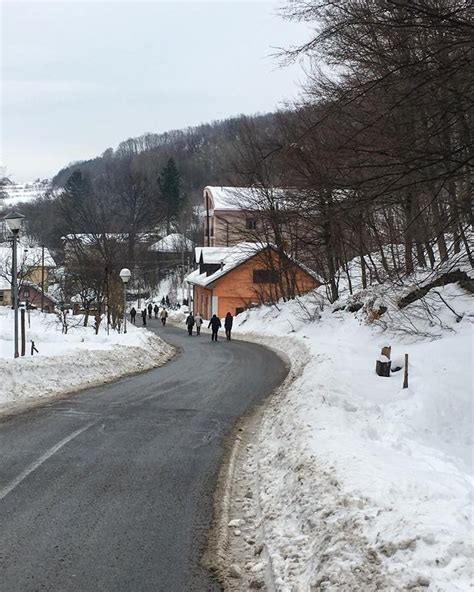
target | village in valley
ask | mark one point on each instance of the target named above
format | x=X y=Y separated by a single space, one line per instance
x=327 y=444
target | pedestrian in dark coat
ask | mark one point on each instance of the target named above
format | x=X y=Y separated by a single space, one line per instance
x=150 y=310
x=215 y=324
x=155 y=310
x=229 y=319
x=144 y=317
x=190 y=323
x=133 y=314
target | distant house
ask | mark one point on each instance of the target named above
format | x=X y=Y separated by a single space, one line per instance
x=233 y=279
x=31 y=294
x=35 y=265
x=231 y=213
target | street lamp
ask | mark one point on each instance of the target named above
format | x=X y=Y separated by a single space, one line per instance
x=14 y=222
x=125 y=275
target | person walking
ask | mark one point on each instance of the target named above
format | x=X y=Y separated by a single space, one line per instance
x=155 y=310
x=190 y=323
x=198 y=321
x=163 y=316
x=133 y=314
x=150 y=310
x=144 y=317
x=229 y=319
x=215 y=324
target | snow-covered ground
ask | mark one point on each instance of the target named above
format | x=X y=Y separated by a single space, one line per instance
x=363 y=485
x=68 y=362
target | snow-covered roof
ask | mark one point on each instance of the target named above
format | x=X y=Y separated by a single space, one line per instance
x=240 y=198
x=91 y=238
x=212 y=255
x=229 y=258
x=173 y=243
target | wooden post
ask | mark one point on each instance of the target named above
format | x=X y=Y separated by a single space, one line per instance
x=405 y=375
x=22 y=326
x=383 y=364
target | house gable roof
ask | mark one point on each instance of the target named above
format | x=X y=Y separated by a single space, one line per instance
x=240 y=198
x=230 y=258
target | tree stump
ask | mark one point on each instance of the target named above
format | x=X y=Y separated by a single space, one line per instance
x=382 y=366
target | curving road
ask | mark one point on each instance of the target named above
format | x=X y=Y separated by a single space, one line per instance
x=110 y=489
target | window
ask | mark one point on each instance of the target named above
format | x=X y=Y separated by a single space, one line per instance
x=1 y=296
x=238 y=311
x=251 y=224
x=265 y=276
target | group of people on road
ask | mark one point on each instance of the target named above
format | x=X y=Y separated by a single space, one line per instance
x=148 y=311
x=214 y=324
x=191 y=320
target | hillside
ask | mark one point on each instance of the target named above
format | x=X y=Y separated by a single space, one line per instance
x=354 y=483
x=204 y=154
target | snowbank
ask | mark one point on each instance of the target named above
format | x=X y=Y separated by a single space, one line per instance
x=72 y=361
x=364 y=485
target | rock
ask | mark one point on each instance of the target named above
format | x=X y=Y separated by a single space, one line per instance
x=235 y=572
x=249 y=494
x=236 y=523
x=256 y=584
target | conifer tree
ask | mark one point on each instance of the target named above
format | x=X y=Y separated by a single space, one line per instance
x=169 y=183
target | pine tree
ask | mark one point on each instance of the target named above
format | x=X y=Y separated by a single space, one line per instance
x=169 y=183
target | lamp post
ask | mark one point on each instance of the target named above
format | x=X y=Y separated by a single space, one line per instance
x=125 y=275
x=14 y=221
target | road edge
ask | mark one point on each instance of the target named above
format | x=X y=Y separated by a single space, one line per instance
x=225 y=554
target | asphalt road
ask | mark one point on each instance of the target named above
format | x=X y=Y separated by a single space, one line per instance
x=111 y=489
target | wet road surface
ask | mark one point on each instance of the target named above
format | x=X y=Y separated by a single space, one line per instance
x=111 y=489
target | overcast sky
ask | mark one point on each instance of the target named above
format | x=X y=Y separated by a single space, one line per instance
x=78 y=77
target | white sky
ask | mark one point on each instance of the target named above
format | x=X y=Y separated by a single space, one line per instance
x=78 y=77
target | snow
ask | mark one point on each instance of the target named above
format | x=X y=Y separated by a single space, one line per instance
x=172 y=243
x=72 y=361
x=360 y=485
x=363 y=485
x=238 y=198
x=27 y=256
x=23 y=192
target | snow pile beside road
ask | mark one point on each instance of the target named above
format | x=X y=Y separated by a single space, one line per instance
x=364 y=485
x=73 y=361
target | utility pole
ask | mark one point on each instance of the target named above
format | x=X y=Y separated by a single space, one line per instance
x=42 y=278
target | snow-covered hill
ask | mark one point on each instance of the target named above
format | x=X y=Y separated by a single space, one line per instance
x=364 y=485
x=23 y=192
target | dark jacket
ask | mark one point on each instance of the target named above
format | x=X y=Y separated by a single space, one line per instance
x=190 y=320
x=229 y=319
x=215 y=323
x=133 y=312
